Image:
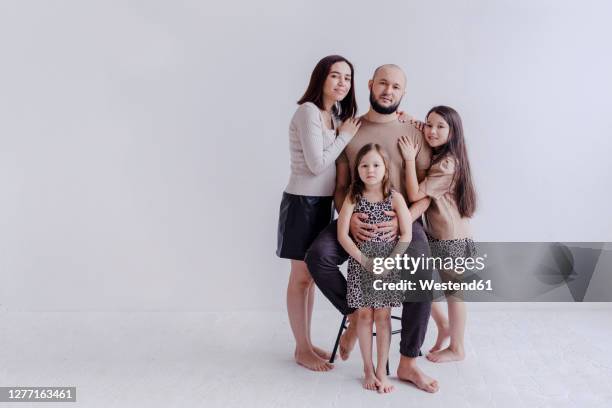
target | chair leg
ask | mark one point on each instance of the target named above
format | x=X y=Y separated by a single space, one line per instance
x=340 y=330
x=388 y=373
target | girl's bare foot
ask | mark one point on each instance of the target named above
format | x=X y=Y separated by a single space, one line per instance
x=446 y=355
x=414 y=375
x=347 y=341
x=443 y=335
x=312 y=361
x=325 y=355
x=385 y=386
x=370 y=382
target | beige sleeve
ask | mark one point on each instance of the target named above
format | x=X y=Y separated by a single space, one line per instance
x=439 y=178
x=310 y=132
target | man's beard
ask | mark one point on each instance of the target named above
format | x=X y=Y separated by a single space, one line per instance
x=383 y=110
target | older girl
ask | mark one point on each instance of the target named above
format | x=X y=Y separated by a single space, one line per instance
x=453 y=201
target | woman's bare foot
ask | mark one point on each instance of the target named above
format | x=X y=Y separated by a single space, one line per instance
x=443 y=335
x=386 y=386
x=312 y=361
x=325 y=355
x=413 y=374
x=370 y=382
x=347 y=341
x=446 y=355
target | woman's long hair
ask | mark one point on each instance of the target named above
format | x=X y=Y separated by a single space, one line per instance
x=314 y=92
x=464 y=192
x=357 y=186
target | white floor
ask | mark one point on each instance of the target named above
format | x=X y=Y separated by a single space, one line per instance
x=515 y=358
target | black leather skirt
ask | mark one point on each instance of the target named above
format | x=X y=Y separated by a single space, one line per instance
x=300 y=220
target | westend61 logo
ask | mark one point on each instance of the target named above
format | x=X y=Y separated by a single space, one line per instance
x=411 y=264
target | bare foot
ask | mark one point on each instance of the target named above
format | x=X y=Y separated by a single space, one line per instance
x=446 y=355
x=311 y=361
x=325 y=355
x=347 y=341
x=443 y=335
x=414 y=375
x=386 y=386
x=370 y=382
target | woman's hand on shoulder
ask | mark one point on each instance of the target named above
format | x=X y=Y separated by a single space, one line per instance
x=350 y=126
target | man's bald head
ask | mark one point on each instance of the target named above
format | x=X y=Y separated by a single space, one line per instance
x=391 y=69
x=387 y=87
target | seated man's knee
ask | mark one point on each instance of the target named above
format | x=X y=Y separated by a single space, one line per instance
x=320 y=257
x=314 y=254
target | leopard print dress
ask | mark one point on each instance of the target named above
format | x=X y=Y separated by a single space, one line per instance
x=360 y=283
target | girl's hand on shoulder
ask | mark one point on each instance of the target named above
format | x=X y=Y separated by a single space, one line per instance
x=350 y=126
x=404 y=117
x=406 y=148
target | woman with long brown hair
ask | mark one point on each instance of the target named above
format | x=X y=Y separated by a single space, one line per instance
x=320 y=129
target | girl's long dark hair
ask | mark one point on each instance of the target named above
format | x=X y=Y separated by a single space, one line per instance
x=465 y=194
x=357 y=186
x=314 y=92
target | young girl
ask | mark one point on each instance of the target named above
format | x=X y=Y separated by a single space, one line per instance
x=371 y=193
x=453 y=200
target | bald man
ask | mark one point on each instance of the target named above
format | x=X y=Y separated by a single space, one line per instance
x=379 y=125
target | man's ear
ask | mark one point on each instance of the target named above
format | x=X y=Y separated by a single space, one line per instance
x=370 y=83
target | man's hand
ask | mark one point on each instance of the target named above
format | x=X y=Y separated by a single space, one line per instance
x=389 y=228
x=360 y=230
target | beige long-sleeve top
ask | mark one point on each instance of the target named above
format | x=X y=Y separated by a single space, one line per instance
x=314 y=149
x=442 y=216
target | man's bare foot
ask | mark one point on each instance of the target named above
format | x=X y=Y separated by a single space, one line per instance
x=370 y=382
x=325 y=355
x=386 y=386
x=348 y=340
x=443 y=335
x=413 y=374
x=312 y=361
x=446 y=355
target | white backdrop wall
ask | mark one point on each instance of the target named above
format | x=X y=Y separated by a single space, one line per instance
x=143 y=144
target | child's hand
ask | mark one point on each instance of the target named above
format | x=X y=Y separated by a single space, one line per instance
x=404 y=117
x=367 y=263
x=406 y=148
x=361 y=231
